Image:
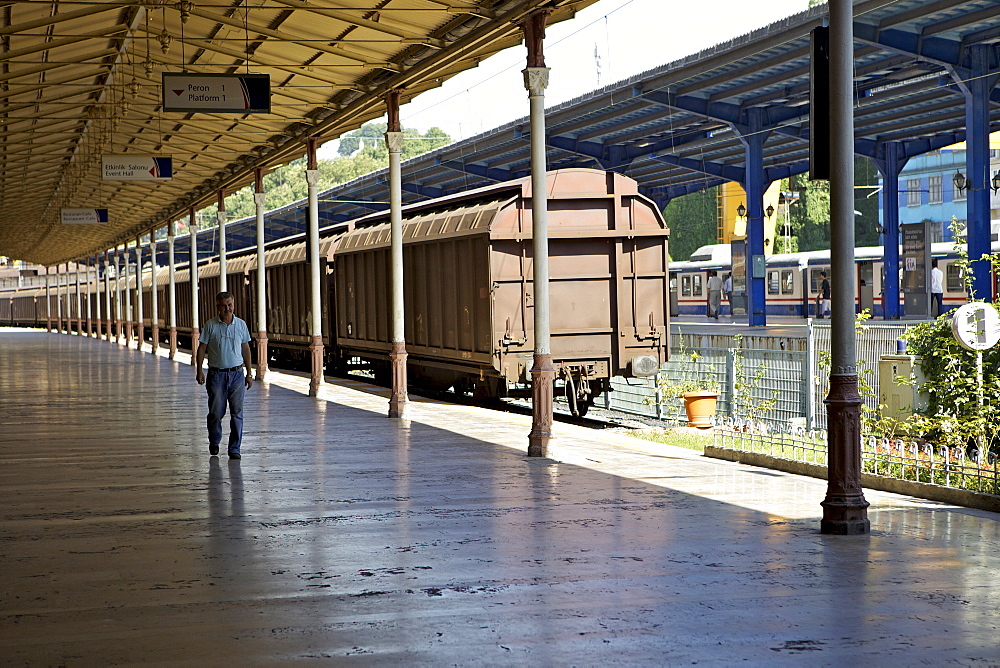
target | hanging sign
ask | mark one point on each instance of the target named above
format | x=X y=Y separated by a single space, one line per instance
x=241 y=93
x=84 y=216
x=137 y=168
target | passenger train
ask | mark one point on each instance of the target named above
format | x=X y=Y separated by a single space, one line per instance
x=469 y=295
x=792 y=280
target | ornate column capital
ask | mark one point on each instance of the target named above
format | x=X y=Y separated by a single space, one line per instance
x=536 y=80
x=394 y=142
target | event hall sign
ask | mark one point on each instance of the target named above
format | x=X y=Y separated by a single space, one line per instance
x=241 y=93
x=83 y=216
x=137 y=168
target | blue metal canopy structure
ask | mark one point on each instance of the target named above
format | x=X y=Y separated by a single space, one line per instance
x=925 y=78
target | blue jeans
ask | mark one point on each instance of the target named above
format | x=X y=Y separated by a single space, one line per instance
x=226 y=388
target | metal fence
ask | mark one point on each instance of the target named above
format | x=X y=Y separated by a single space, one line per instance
x=956 y=468
x=779 y=379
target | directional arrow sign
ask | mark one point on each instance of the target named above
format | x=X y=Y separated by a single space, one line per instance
x=240 y=93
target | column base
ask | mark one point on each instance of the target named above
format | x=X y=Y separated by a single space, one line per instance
x=156 y=338
x=845 y=510
x=140 y=336
x=173 y=342
x=195 y=335
x=261 y=356
x=399 y=400
x=316 y=351
x=543 y=375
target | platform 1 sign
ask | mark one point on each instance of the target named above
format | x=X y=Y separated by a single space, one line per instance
x=239 y=93
x=84 y=216
x=137 y=168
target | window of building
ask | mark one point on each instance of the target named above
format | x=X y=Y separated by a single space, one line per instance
x=696 y=285
x=935 y=192
x=912 y=192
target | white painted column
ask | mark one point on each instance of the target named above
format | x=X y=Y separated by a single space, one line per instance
x=129 y=331
x=79 y=301
x=59 y=304
x=97 y=296
x=140 y=333
x=195 y=316
x=315 y=290
x=223 y=279
x=154 y=297
x=172 y=294
x=48 y=299
x=399 y=401
x=262 y=354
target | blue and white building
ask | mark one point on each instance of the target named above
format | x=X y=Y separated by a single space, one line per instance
x=928 y=190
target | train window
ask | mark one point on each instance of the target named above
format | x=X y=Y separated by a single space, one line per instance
x=815 y=280
x=696 y=285
x=787 y=282
x=773 y=285
x=686 y=286
x=953 y=278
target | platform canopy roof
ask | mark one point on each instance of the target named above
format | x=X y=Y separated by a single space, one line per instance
x=676 y=128
x=82 y=80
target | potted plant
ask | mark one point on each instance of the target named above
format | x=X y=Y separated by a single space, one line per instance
x=696 y=384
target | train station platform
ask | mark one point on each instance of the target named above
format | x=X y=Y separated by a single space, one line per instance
x=345 y=537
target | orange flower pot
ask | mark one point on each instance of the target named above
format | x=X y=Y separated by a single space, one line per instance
x=700 y=407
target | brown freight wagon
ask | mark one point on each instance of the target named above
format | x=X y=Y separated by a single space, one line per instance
x=469 y=292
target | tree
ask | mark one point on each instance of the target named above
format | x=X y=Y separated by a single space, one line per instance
x=693 y=222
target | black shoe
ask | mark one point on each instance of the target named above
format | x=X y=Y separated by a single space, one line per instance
x=213 y=449
x=234 y=455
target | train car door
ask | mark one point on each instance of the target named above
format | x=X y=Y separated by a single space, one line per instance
x=674 y=306
x=866 y=286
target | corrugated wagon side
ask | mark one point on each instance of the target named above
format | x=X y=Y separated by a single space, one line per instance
x=469 y=293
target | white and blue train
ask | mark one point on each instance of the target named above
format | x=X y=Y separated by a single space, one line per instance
x=792 y=280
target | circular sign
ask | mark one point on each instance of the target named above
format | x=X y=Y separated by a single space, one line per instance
x=976 y=326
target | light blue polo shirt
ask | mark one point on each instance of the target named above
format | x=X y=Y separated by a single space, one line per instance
x=224 y=342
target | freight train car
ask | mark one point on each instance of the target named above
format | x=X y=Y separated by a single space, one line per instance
x=469 y=292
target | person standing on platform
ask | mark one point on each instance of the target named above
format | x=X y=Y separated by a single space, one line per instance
x=714 y=294
x=727 y=291
x=226 y=342
x=823 y=296
x=937 y=288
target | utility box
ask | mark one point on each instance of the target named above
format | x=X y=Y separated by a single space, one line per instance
x=901 y=400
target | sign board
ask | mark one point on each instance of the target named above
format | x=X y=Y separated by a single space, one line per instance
x=916 y=265
x=84 y=216
x=137 y=168
x=976 y=326
x=239 y=93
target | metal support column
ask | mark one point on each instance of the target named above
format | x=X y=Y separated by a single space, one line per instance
x=536 y=80
x=315 y=288
x=96 y=295
x=109 y=316
x=119 y=323
x=976 y=84
x=48 y=299
x=79 y=301
x=845 y=510
x=259 y=200
x=890 y=164
x=195 y=316
x=753 y=137
x=223 y=270
x=399 y=399
x=154 y=298
x=129 y=327
x=59 y=300
x=140 y=319
x=172 y=294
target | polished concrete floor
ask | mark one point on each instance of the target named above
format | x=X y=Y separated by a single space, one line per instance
x=346 y=537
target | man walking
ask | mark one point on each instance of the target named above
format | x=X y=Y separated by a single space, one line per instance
x=226 y=341
x=714 y=294
x=823 y=296
x=937 y=288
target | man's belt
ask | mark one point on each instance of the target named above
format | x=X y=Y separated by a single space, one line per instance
x=232 y=368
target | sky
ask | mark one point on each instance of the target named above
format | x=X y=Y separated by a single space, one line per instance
x=609 y=41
